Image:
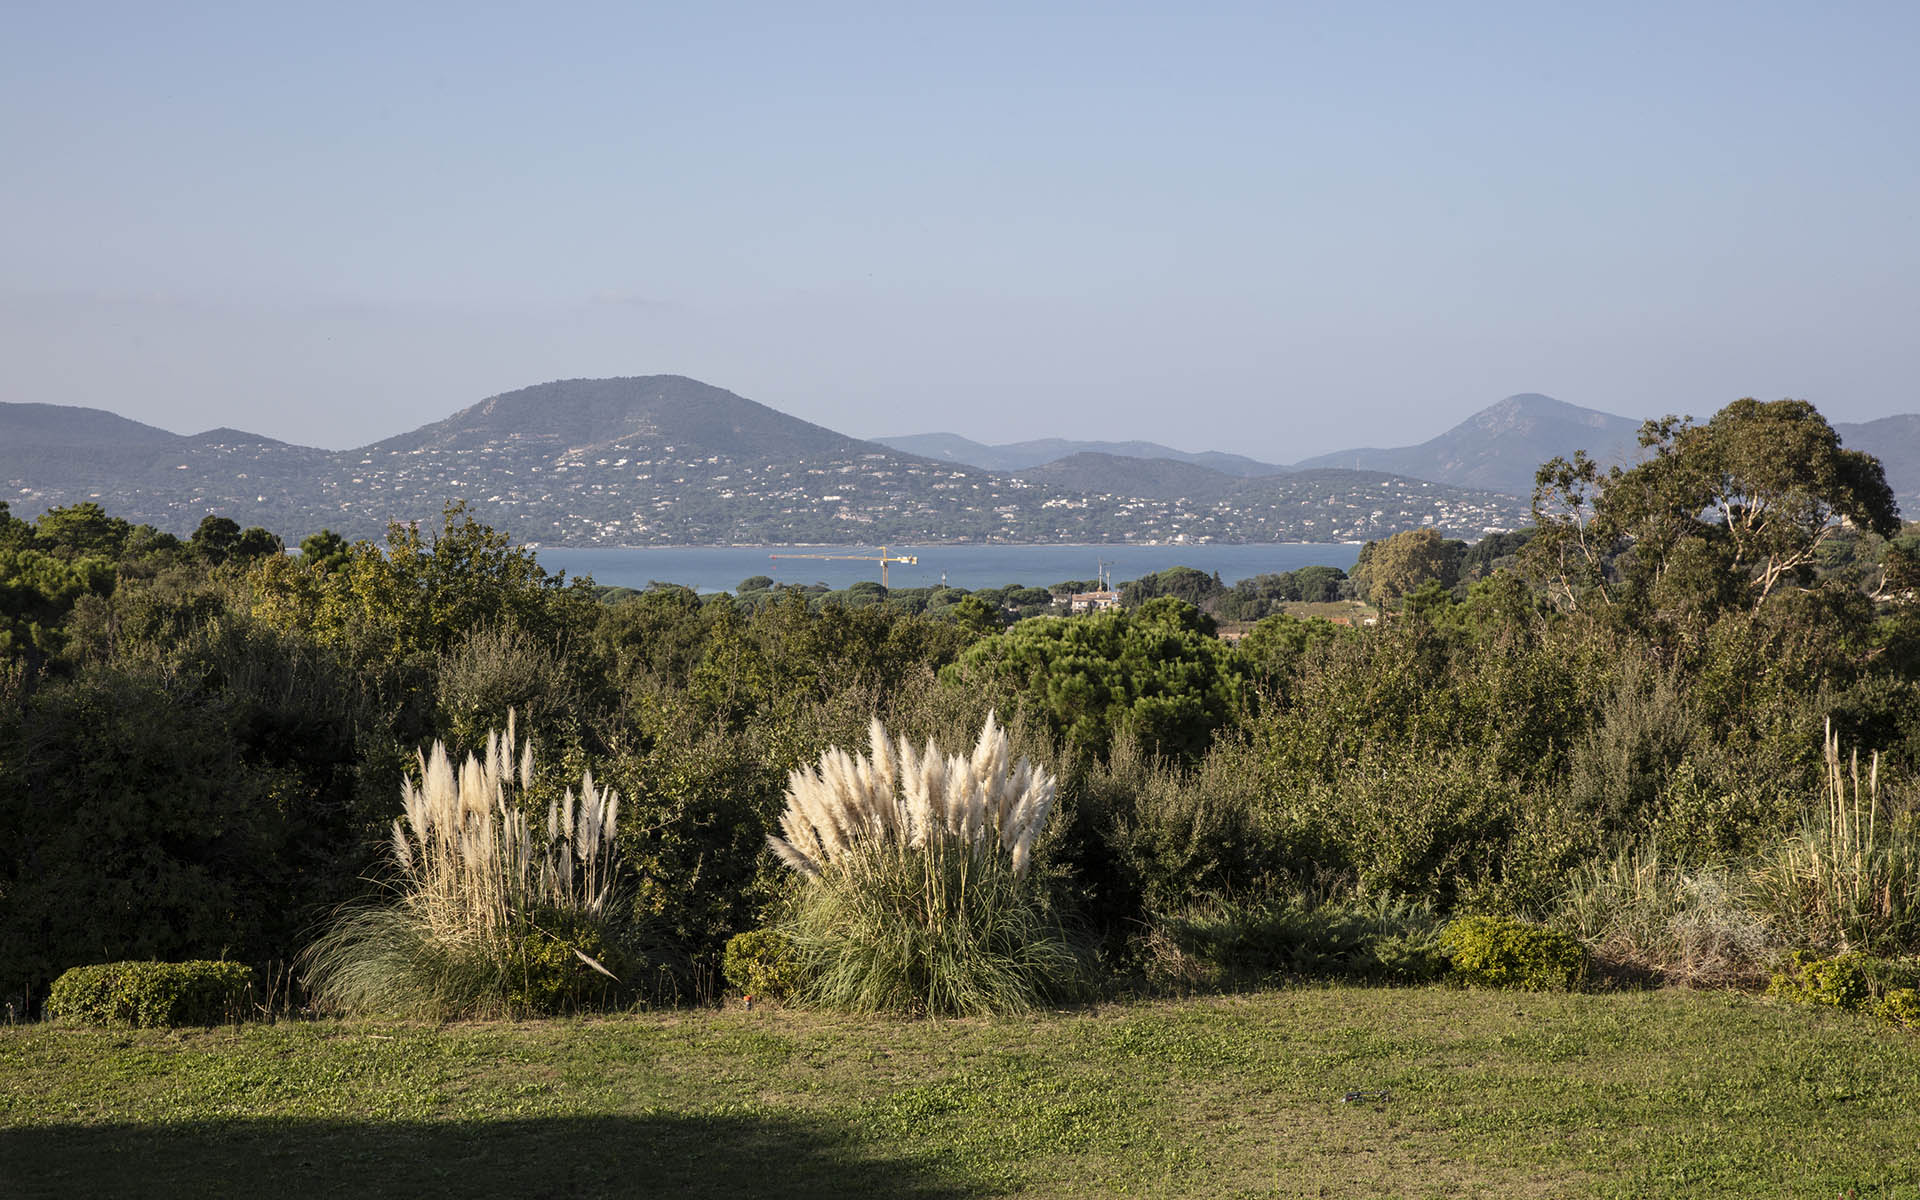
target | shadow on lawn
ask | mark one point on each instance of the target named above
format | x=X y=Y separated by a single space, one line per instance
x=527 y=1159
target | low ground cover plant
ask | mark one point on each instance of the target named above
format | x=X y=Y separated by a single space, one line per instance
x=151 y=994
x=1230 y=941
x=489 y=913
x=917 y=894
x=1853 y=982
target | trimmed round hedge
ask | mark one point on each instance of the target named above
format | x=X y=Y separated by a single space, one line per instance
x=151 y=994
x=763 y=962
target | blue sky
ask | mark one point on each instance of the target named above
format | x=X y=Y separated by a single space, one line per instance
x=1277 y=229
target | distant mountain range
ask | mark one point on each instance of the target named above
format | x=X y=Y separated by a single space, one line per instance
x=1501 y=447
x=1018 y=456
x=666 y=460
x=1497 y=449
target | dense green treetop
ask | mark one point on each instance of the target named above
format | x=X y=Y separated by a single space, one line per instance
x=81 y=531
x=422 y=592
x=37 y=591
x=1157 y=673
x=1395 y=567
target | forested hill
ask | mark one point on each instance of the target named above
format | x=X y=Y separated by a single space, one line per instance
x=1113 y=474
x=665 y=460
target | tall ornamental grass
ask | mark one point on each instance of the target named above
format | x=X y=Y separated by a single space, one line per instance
x=919 y=896
x=490 y=914
x=1849 y=878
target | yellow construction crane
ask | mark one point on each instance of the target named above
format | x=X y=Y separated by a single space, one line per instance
x=883 y=558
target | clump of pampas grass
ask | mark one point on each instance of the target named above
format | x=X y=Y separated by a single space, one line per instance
x=919 y=897
x=490 y=913
x=847 y=803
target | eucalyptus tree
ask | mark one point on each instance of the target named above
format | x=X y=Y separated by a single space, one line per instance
x=1742 y=504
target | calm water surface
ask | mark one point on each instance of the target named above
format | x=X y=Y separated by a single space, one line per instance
x=721 y=568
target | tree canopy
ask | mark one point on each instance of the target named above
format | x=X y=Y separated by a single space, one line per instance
x=1746 y=501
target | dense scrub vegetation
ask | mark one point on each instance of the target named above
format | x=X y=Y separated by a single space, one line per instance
x=1675 y=719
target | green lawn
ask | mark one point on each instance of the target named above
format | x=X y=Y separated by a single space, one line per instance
x=1637 y=1094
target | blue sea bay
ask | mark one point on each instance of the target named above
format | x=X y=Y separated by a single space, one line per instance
x=721 y=568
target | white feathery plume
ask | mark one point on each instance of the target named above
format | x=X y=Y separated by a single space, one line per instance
x=879 y=775
x=933 y=779
x=589 y=822
x=793 y=858
x=1036 y=804
x=920 y=785
x=402 y=848
x=896 y=795
x=801 y=823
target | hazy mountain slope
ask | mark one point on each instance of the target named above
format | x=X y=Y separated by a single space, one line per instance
x=1497 y=449
x=1019 y=456
x=53 y=455
x=951 y=448
x=39 y=425
x=1120 y=475
x=657 y=410
x=226 y=435
x=1500 y=447
x=1895 y=441
x=88 y=447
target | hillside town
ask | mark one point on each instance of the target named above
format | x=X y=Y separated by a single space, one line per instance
x=637 y=491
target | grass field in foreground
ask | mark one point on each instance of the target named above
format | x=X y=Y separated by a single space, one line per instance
x=1637 y=1094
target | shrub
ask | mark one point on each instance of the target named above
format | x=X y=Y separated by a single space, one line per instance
x=151 y=994
x=490 y=916
x=918 y=896
x=763 y=962
x=1516 y=955
x=1172 y=834
x=1156 y=672
x=566 y=965
x=1900 y=1008
x=939 y=930
x=1852 y=981
x=1839 y=982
